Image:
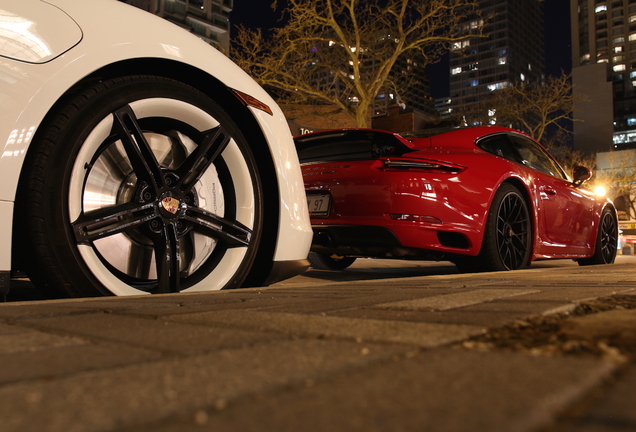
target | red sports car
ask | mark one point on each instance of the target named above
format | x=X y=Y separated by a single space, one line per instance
x=485 y=198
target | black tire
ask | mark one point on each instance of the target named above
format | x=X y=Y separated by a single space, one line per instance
x=136 y=168
x=322 y=261
x=508 y=235
x=606 y=240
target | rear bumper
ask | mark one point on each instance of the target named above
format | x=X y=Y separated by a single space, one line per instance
x=410 y=241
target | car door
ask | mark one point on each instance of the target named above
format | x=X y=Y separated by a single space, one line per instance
x=565 y=211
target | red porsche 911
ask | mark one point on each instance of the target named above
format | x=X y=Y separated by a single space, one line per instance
x=486 y=198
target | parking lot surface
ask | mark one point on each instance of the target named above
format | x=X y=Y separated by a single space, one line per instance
x=382 y=346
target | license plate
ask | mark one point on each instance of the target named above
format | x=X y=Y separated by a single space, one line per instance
x=319 y=204
x=627 y=226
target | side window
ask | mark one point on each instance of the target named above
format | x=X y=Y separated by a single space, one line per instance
x=498 y=145
x=536 y=157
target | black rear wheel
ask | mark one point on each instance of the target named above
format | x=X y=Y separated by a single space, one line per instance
x=508 y=235
x=140 y=185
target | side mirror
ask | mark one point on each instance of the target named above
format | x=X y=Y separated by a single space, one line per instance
x=581 y=174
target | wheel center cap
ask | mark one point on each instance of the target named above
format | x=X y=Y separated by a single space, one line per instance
x=170 y=204
x=508 y=232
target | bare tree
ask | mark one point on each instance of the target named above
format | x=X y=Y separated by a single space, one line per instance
x=533 y=108
x=342 y=52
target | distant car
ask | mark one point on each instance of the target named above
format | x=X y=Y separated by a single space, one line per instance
x=485 y=198
x=627 y=235
x=137 y=158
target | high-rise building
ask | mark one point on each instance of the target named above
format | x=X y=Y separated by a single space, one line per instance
x=207 y=19
x=604 y=71
x=415 y=98
x=510 y=51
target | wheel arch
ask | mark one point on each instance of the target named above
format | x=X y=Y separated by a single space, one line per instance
x=221 y=94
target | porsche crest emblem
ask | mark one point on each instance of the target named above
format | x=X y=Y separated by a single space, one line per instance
x=170 y=204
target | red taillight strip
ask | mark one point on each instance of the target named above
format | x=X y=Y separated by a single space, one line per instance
x=409 y=164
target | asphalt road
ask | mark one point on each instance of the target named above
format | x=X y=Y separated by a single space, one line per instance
x=382 y=346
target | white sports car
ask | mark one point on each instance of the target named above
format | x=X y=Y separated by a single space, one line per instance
x=138 y=159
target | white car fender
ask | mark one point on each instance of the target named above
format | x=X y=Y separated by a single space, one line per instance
x=116 y=33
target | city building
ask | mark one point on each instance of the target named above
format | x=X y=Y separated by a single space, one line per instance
x=415 y=108
x=604 y=71
x=207 y=19
x=510 y=51
x=443 y=107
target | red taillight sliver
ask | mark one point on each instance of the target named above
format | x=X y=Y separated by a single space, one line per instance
x=420 y=165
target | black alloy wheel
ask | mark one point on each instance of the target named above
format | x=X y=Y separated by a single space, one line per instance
x=606 y=240
x=508 y=235
x=513 y=231
x=140 y=185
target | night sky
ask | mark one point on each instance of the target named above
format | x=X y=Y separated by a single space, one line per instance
x=258 y=14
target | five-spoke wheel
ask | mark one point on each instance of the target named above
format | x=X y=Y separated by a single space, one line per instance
x=141 y=185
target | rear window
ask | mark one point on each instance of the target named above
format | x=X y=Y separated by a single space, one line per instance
x=348 y=146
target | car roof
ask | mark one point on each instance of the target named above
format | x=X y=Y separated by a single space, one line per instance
x=426 y=138
x=454 y=137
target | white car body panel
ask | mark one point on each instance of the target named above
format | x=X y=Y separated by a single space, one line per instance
x=111 y=32
x=31 y=34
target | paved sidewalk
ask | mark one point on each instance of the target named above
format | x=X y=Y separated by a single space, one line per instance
x=310 y=355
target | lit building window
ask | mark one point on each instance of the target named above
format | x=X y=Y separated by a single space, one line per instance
x=585 y=58
x=502 y=60
x=497 y=86
x=461 y=44
x=618 y=59
x=631 y=122
x=456 y=70
x=632 y=37
x=476 y=24
x=619 y=68
x=600 y=8
x=522 y=76
x=618 y=40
